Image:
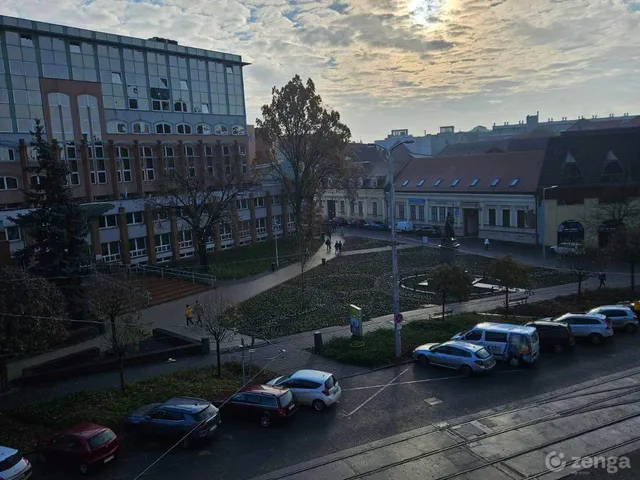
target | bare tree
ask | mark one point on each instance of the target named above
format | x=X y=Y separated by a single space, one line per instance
x=202 y=201
x=219 y=319
x=116 y=299
x=510 y=273
x=584 y=264
x=449 y=282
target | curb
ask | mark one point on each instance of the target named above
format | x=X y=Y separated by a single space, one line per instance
x=377 y=369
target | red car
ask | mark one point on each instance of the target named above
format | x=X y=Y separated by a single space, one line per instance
x=84 y=446
x=266 y=403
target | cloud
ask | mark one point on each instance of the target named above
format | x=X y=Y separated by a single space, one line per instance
x=418 y=62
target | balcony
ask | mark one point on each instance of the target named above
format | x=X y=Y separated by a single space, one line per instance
x=138 y=253
x=226 y=237
x=113 y=258
x=185 y=244
x=163 y=248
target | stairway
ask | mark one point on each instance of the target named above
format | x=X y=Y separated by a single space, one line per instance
x=162 y=290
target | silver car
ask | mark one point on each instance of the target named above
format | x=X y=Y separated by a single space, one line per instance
x=465 y=357
x=620 y=316
x=568 y=248
x=593 y=326
x=311 y=387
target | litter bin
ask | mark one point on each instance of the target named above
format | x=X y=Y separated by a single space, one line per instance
x=317 y=340
x=273 y=267
x=324 y=260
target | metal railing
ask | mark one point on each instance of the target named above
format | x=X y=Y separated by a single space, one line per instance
x=162 y=272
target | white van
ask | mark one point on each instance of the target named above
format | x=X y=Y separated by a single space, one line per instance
x=404 y=226
x=511 y=343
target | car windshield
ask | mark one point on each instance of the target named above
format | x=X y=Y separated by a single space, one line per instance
x=283 y=379
x=10 y=462
x=286 y=399
x=534 y=337
x=100 y=439
x=432 y=347
x=331 y=381
x=482 y=353
x=205 y=413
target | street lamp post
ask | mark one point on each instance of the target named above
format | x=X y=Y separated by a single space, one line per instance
x=394 y=247
x=544 y=223
x=274 y=227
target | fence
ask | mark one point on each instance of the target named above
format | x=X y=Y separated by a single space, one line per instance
x=190 y=276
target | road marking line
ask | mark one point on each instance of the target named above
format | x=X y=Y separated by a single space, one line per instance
x=433 y=401
x=378 y=392
x=409 y=382
x=481 y=426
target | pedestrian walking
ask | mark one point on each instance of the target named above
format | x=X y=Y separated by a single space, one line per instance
x=337 y=247
x=603 y=280
x=327 y=242
x=340 y=246
x=189 y=315
x=486 y=244
x=199 y=310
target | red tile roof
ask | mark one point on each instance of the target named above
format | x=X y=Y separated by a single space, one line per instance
x=525 y=166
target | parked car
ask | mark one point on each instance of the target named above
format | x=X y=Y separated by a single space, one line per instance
x=554 y=335
x=180 y=418
x=428 y=231
x=311 y=387
x=267 y=403
x=376 y=226
x=359 y=223
x=568 y=248
x=465 y=357
x=594 y=327
x=404 y=226
x=620 y=317
x=515 y=344
x=339 y=221
x=13 y=466
x=85 y=446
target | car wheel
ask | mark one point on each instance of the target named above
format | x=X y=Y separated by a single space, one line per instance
x=595 y=339
x=84 y=468
x=423 y=360
x=514 y=362
x=265 y=420
x=557 y=348
x=630 y=328
x=465 y=370
x=318 y=405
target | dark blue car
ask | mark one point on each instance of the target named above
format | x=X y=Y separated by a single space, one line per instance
x=184 y=419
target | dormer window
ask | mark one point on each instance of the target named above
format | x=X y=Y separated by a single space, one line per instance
x=420 y=183
x=570 y=167
x=612 y=166
x=474 y=182
x=514 y=182
x=495 y=182
x=455 y=182
x=437 y=182
x=374 y=183
x=405 y=183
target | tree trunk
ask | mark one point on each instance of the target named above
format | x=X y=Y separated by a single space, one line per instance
x=218 y=357
x=579 y=285
x=201 y=244
x=632 y=267
x=121 y=370
x=444 y=302
x=506 y=300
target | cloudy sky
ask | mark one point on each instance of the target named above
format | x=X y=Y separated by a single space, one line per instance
x=387 y=64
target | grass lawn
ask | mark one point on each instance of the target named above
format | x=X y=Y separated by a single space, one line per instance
x=378 y=345
x=574 y=304
x=23 y=426
x=245 y=261
x=363 y=280
x=362 y=243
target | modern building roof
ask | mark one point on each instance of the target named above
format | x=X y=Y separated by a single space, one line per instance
x=605 y=123
x=514 y=144
x=506 y=172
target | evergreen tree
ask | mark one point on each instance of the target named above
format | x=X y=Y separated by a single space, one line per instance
x=55 y=224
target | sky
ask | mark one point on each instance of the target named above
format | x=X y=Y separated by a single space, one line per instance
x=394 y=64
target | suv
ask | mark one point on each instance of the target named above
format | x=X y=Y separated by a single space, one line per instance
x=265 y=402
x=555 y=335
x=311 y=387
x=181 y=418
x=621 y=317
x=594 y=327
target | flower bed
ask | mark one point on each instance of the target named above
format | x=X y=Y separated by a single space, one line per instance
x=363 y=280
x=362 y=243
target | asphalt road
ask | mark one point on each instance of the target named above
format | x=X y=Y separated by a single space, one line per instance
x=373 y=406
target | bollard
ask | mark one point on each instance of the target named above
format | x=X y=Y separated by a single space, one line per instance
x=324 y=260
x=273 y=267
x=317 y=340
x=205 y=345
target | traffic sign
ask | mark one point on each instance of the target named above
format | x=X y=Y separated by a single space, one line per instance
x=398 y=318
x=456 y=212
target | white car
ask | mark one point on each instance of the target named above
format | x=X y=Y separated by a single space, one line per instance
x=593 y=326
x=311 y=387
x=13 y=466
x=567 y=248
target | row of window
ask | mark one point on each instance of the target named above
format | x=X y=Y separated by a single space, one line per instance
x=456 y=181
x=360 y=205
x=139 y=127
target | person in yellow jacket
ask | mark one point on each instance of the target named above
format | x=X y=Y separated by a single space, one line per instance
x=189 y=315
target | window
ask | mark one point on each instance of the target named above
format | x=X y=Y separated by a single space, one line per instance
x=360 y=209
x=137 y=246
x=98 y=166
x=180 y=107
x=421 y=213
x=135 y=218
x=116 y=127
x=495 y=182
x=163 y=128
x=442 y=214
x=26 y=40
x=203 y=129
x=499 y=337
x=184 y=129
x=184 y=85
x=291 y=224
x=352 y=208
x=492 y=217
x=237 y=130
x=8 y=183
x=208 y=157
x=374 y=208
x=473 y=335
x=520 y=219
x=160 y=105
x=133 y=104
x=75 y=47
x=190 y=159
x=258 y=202
x=514 y=182
x=108 y=221
x=34 y=180
x=7 y=154
x=506 y=218
x=243 y=204
x=401 y=210
x=163 y=242
x=111 y=252
x=169 y=159
x=146 y=160
x=261 y=225
x=116 y=77
x=13 y=233
x=275 y=200
x=434 y=214
x=141 y=127
x=405 y=183
x=437 y=182
x=474 y=182
x=242 y=150
x=220 y=129
x=185 y=238
x=412 y=212
x=420 y=183
x=455 y=182
x=227 y=160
